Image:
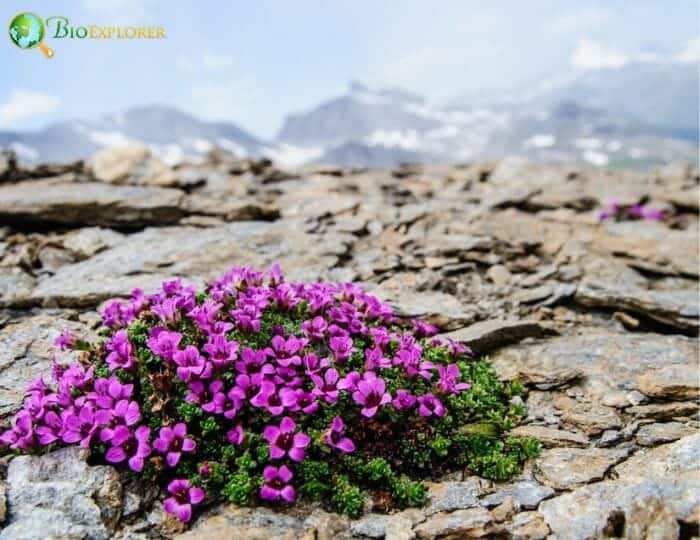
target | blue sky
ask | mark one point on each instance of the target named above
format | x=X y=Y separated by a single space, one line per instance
x=253 y=61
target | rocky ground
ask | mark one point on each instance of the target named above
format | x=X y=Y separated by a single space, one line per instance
x=600 y=321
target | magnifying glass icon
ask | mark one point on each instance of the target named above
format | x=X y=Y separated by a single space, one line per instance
x=27 y=32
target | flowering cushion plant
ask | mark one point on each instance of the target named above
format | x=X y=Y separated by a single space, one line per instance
x=260 y=390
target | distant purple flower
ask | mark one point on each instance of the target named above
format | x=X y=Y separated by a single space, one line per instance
x=315 y=328
x=652 y=214
x=429 y=405
x=371 y=394
x=164 y=343
x=404 y=400
x=132 y=446
x=173 y=441
x=190 y=363
x=120 y=351
x=236 y=435
x=335 y=437
x=182 y=497
x=326 y=386
x=277 y=486
x=448 y=377
x=341 y=347
x=609 y=211
x=285 y=441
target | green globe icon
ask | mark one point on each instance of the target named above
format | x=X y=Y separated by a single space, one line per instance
x=27 y=32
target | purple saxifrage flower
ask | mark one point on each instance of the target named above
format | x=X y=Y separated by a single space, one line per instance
x=285 y=441
x=335 y=437
x=286 y=351
x=21 y=435
x=326 y=386
x=404 y=400
x=182 y=497
x=375 y=359
x=107 y=392
x=371 y=394
x=447 y=381
x=190 y=363
x=164 y=343
x=80 y=426
x=173 y=442
x=236 y=435
x=221 y=351
x=120 y=351
x=429 y=405
x=315 y=328
x=272 y=399
x=132 y=446
x=341 y=347
x=277 y=486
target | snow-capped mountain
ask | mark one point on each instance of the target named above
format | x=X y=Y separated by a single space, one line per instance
x=637 y=115
x=168 y=132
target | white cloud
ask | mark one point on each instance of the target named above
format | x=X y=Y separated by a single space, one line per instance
x=23 y=104
x=691 y=52
x=592 y=55
x=208 y=61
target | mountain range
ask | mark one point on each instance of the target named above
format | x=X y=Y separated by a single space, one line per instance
x=637 y=115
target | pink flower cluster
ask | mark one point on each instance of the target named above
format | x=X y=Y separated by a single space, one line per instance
x=292 y=377
x=617 y=210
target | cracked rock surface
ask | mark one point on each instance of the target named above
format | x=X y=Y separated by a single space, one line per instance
x=599 y=321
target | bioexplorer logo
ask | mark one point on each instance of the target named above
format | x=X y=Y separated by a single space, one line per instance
x=27 y=31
